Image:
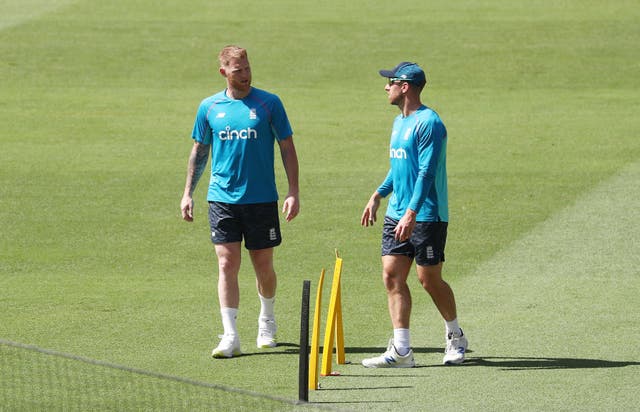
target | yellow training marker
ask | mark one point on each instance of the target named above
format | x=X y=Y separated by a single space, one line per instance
x=334 y=324
x=315 y=338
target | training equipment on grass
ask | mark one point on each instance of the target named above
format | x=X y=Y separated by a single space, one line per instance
x=303 y=366
x=315 y=337
x=334 y=329
x=334 y=324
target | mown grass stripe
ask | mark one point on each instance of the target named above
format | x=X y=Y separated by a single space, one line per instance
x=572 y=275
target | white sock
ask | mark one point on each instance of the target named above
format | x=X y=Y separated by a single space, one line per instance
x=452 y=327
x=266 y=307
x=229 y=316
x=402 y=341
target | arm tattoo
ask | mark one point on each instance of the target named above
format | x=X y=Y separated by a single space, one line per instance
x=197 y=163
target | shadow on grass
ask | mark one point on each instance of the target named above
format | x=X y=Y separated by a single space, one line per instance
x=501 y=362
x=513 y=363
x=284 y=348
x=382 y=387
x=529 y=363
x=379 y=350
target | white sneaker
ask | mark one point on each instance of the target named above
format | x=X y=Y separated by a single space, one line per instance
x=266 y=333
x=390 y=359
x=228 y=347
x=456 y=348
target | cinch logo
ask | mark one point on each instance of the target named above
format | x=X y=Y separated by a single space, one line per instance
x=228 y=134
x=397 y=153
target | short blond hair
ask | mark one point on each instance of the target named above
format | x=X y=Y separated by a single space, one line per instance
x=231 y=52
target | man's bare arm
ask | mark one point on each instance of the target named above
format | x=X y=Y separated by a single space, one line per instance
x=195 y=168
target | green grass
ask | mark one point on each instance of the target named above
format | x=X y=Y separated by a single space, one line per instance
x=540 y=99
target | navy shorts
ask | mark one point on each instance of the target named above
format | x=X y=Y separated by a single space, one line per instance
x=426 y=244
x=258 y=224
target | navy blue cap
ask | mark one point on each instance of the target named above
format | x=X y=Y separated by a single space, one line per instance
x=408 y=72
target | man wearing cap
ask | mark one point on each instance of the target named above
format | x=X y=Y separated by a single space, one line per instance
x=415 y=223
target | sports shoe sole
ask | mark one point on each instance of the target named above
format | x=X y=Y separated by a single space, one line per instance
x=390 y=366
x=453 y=362
x=221 y=354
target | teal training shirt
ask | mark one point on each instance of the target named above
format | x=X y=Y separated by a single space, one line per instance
x=242 y=134
x=417 y=176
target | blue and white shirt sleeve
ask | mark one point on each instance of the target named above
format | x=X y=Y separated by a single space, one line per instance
x=429 y=148
x=201 y=128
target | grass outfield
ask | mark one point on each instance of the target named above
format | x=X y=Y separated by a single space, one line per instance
x=540 y=99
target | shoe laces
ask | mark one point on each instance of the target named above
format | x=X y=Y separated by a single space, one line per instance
x=454 y=337
x=453 y=342
x=266 y=327
x=391 y=350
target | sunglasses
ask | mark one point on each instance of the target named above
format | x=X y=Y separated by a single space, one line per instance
x=394 y=80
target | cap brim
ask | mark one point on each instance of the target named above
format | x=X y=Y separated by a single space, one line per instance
x=387 y=73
